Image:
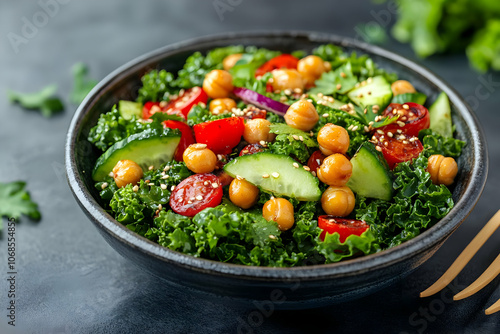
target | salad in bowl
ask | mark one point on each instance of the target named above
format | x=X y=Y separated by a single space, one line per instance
x=253 y=156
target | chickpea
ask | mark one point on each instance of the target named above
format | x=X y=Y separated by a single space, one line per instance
x=243 y=194
x=335 y=170
x=312 y=66
x=231 y=60
x=302 y=115
x=221 y=106
x=333 y=139
x=399 y=87
x=287 y=79
x=199 y=159
x=338 y=201
x=279 y=210
x=218 y=84
x=126 y=172
x=257 y=130
x=442 y=169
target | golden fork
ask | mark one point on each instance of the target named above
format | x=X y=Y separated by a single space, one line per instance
x=464 y=258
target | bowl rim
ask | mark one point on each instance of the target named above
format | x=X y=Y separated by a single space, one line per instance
x=408 y=249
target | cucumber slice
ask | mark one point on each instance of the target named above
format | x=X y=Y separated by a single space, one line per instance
x=371 y=176
x=440 y=114
x=419 y=98
x=128 y=109
x=276 y=173
x=147 y=148
x=378 y=92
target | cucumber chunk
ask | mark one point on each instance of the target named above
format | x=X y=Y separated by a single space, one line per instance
x=378 y=92
x=371 y=176
x=419 y=98
x=128 y=109
x=276 y=173
x=147 y=148
x=440 y=114
x=336 y=104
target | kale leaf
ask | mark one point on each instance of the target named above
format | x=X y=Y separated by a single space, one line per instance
x=434 y=143
x=157 y=86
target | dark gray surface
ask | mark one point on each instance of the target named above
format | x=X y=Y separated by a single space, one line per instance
x=71 y=281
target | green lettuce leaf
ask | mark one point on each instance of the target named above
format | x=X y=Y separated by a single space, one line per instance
x=333 y=250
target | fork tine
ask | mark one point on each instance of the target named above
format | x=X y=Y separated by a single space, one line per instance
x=486 y=277
x=493 y=308
x=464 y=257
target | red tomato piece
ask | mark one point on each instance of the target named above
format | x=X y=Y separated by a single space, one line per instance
x=222 y=135
x=187 y=137
x=251 y=149
x=415 y=116
x=282 y=61
x=315 y=160
x=195 y=193
x=180 y=106
x=344 y=227
x=399 y=148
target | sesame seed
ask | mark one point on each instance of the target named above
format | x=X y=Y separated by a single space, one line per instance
x=263 y=143
x=111 y=174
x=151 y=184
x=135 y=188
x=343 y=75
x=277 y=91
x=355 y=128
x=192 y=198
x=380 y=132
x=163 y=186
x=378 y=148
x=151 y=167
x=297 y=91
x=405 y=106
x=190 y=202
x=363 y=83
x=287 y=91
x=369 y=80
x=401 y=124
x=366 y=129
x=238 y=177
x=296 y=165
x=164 y=177
x=325 y=115
x=386 y=143
x=160 y=206
x=166 y=169
x=411 y=114
x=412 y=139
x=390 y=134
x=283 y=98
x=404 y=118
x=399 y=130
x=306 y=168
x=147 y=181
x=313 y=173
x=275 y=175
x=301 y=138
x=339 y=86
x=172 y=188
x=179 y=199
x=309 y=100
x=295 y=137
x=265 y=176
x=206 y=183
x=311 y=133
x=350 y=127
x=371 y=123
x=365 y=111
x=320 y=95
x=104 y=185
x=273 y=237
x=402 y=137
x=199 y=197
x=405 y=142
x=215 y=185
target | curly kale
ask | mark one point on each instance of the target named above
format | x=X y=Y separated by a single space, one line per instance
x=157 y=86
x=436 y=144
x=417 y=205
x=200 y=114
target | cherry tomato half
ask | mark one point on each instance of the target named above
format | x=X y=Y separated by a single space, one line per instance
x=220 y=135
x=195 y=193
x=282 y=61
x=344 y=227
x=415 y=116
x=251 y=149
x=180 y=106
x=315 y=160
x=398 y=148
x=187 y=137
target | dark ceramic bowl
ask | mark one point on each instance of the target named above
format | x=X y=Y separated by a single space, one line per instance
x=299 y=287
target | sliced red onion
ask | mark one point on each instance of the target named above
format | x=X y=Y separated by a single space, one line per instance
x=261 y=101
